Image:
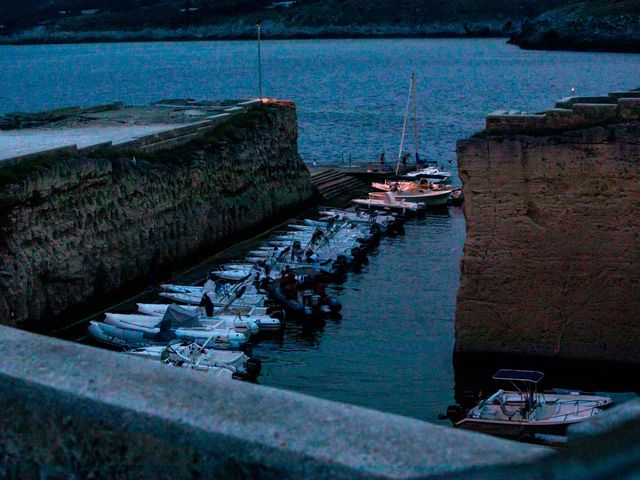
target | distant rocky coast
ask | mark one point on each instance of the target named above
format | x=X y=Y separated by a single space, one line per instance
x=584 y=27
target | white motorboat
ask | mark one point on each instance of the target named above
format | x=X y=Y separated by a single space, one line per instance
x=429 y=198
x=431 y=171
x=194 y=298
x=387 y=223
x=524 y=413
x=222 y=363
x=246 y=325
x=141 y=337
x=389 y=202
x=235 y=275
x=159 y=309
x=257 y=318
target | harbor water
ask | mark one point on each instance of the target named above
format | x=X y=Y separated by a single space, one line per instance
x=392 y=350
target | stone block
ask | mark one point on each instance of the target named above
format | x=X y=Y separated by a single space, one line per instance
x=629 y=108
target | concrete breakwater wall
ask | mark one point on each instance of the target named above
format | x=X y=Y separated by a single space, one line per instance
x=551 y=263
x=76 y=224
x=72 y=411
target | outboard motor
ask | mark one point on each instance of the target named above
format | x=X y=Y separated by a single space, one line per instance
x=368 y=243
x=315 y=301
x=253 y=366
x=340 y=265
x=375 y=230
x=455 y=413
x=470 y=398
x=306 y=298
x=334 y=305
x=276 y=311
x=264 y=284
x=359 y=256
x=396 y=227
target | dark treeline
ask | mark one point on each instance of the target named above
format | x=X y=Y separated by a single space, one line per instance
x=16 y=14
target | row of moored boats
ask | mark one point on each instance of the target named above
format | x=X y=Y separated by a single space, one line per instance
x=206 y=327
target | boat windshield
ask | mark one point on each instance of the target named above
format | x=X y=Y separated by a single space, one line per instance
x=528 y=376
x=528 y=380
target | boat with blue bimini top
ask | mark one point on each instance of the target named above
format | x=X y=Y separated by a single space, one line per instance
x=524 y=413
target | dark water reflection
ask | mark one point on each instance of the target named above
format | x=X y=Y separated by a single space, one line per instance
x=392 y=348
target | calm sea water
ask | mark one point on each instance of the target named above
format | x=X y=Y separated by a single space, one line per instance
x=393 y=348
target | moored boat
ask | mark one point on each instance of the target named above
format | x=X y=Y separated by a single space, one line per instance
x=221 y=363
x=429 y=198
x=524 y=413
x=143 y=337
x=431 y=172
x=389 y=202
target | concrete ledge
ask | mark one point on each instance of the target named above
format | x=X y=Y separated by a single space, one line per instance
x=66 y=150
x=78 y=411
x=250 y=103
x=170 y=137
x=569 y=113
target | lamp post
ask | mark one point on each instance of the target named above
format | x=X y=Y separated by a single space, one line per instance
x=258 y=26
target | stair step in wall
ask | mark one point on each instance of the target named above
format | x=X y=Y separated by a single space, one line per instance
x=332 y=184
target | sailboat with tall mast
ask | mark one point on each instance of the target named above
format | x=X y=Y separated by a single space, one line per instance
x=417 y=186
x=424 y=169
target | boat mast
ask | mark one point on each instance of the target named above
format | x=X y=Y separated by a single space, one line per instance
x=404 y=125
x=415 y=122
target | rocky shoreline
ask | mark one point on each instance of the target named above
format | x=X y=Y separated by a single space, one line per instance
x=274 y=30
x=583 y=28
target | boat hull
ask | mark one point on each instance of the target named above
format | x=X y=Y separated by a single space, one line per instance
x=431 y=200
x=514 y=429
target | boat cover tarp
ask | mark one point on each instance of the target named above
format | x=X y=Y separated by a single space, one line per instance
x=209 y=286
x=178 y=317
x=519 y=375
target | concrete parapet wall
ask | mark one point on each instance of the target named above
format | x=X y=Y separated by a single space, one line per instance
x=19 y=119
x=169 y=138
x=71 y=411
x=569 y=113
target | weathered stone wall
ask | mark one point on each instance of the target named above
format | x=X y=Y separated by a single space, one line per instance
x=91 y=222
x=551 y=263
